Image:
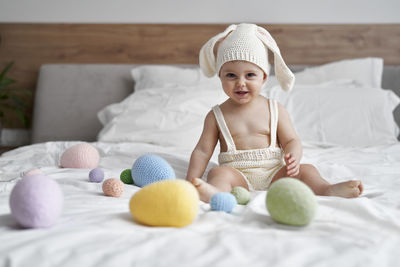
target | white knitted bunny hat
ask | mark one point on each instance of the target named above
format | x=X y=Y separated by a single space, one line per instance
x=247 y=42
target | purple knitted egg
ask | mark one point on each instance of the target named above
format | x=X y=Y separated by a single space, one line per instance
x=81 y=156
x=96 y=175
x=36 y=201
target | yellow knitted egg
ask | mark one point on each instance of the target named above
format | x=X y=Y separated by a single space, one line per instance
x=165 y=203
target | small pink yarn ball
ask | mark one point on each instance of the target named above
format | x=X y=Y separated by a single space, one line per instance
x=80 y=156
x=113 y=187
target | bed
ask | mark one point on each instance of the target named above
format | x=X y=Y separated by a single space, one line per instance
x=107 y=105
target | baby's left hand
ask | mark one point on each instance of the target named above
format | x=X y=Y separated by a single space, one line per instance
x=292 y=165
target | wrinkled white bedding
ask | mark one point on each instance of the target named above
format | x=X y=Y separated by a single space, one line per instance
x=95 y=230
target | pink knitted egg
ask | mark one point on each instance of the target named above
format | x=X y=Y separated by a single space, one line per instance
x=31 y=172
x=81 y=156
x=113 y=187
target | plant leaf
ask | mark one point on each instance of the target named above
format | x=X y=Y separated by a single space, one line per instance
x=5 y=70
x=21 y=117
x=6 y=82
x=24 y=91
x=3 y=96
x=18 y=101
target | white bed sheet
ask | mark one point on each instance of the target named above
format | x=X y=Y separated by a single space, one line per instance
x=95 y=230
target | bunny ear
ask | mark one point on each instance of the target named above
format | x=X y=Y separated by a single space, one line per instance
x=207 y=58
x=283 y=74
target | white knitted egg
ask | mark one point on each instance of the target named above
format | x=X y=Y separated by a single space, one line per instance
x=81 y=156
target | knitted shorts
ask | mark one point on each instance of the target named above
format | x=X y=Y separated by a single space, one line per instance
x=259 y=178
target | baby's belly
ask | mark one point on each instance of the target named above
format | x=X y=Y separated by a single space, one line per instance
x=251 y=142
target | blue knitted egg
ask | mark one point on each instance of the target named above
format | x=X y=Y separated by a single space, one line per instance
x=151 y=168
x=223 y=202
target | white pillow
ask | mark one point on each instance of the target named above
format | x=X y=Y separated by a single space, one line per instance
x=157 y=76
x=172 y=117
x=341 y=115
x=162 y=76
x=367 y=71
x=109 y=112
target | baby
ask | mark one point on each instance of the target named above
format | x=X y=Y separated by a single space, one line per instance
x=258 y=144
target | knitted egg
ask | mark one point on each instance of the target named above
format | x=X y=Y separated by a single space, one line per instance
x=113 y=187
x=126 y=176
x=241 y=194
x=96 y=175
x=223 y=202
x=36 y=201
x=151 y=168
x=81 y=156
x=166 y=203
x=31 y=172
x=290 y=201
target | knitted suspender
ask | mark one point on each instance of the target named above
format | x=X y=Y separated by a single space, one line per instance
x=224 y=128
x=274 y=121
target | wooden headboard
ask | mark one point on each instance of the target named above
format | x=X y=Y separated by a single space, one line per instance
x=31 y=45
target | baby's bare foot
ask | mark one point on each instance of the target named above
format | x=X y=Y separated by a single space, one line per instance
x=347 y=189
x=206 y=191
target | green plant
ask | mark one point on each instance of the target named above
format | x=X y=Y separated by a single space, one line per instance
x=11 y=98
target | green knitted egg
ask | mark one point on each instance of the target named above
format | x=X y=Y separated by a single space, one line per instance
x=241 y=194
x=126 y=176
x=290 y=201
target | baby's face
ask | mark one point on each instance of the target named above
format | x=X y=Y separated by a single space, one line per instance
x=241 y=80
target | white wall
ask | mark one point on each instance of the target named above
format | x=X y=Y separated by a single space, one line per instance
x=201 y=11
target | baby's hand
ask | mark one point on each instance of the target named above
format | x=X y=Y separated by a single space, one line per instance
x=292 y=165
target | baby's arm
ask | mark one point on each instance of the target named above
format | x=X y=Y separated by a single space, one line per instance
x=289 y=141
x=204 y=148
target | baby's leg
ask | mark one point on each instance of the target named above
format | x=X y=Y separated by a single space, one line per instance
x=310 y=176
x=219 y=179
